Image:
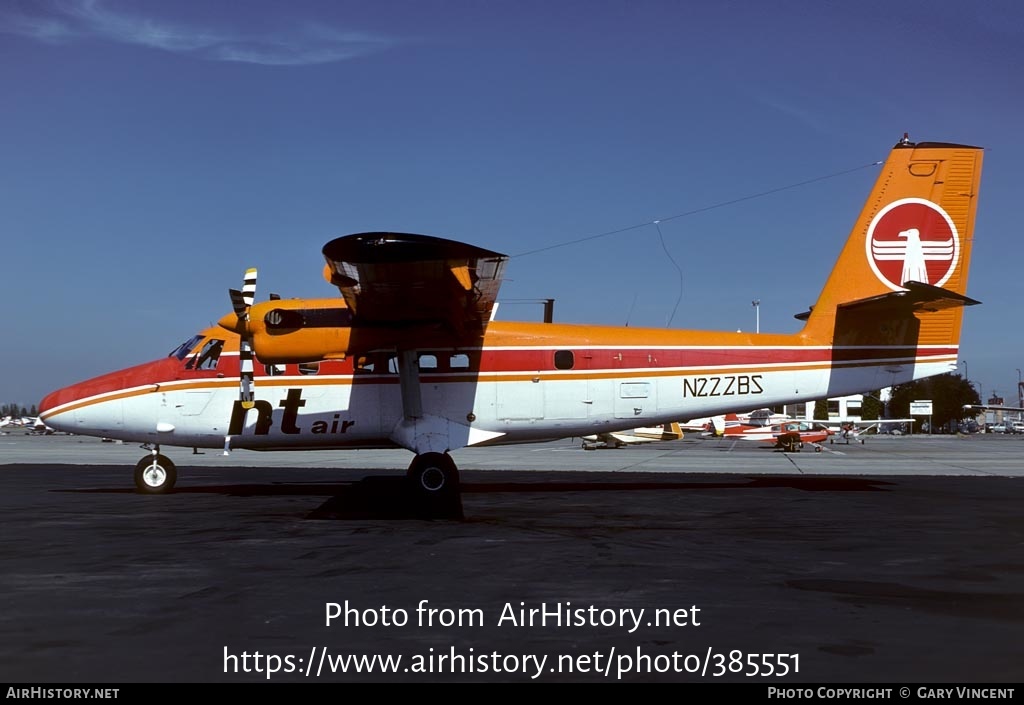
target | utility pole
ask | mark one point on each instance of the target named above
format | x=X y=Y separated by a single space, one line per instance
x=757 y=315
x=1020 y=393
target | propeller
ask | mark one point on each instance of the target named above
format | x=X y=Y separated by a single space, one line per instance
x=241 y=302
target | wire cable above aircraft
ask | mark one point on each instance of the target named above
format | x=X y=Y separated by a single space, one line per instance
x=695 y=211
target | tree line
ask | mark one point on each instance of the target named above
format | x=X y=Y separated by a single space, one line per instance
x=949 y=394
x=17 y=410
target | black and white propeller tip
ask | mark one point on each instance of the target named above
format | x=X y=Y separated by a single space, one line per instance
x=241 y=302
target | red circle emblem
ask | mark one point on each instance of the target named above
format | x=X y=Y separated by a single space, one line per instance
x=912 y=240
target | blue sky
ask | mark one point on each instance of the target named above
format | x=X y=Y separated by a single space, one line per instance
x=153 y=151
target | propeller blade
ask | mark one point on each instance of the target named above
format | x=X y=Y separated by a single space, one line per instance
x=238 y=303
x=249 y=287
x=247 y=380
x=241 y=302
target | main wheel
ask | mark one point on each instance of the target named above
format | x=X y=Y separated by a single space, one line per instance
x=434 y=475
x=789 y=442
x=155 y=474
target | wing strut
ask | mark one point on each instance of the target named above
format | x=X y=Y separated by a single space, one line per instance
x=409 y=378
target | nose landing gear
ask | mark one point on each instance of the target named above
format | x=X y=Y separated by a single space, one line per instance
x=155 y=474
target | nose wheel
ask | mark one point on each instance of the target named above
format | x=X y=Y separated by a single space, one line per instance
x=155 y=474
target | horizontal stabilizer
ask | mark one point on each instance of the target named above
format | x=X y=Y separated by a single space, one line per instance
x=917 y=297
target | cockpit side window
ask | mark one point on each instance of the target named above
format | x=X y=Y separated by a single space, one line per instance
x=207 y=357
x=182 y=351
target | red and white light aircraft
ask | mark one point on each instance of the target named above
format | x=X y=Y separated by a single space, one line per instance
x=409 y=356
x=788 y=435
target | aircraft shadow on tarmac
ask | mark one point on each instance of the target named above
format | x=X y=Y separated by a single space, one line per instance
x=390 y=497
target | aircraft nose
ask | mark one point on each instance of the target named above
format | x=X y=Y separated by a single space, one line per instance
x=56 y=407
x=50 y=408
x=52 y=400
x=62 y=398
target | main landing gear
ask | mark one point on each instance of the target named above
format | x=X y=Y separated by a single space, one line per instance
x=433 y=487
x=433 y=475
x=155 y=474
x=791 y=443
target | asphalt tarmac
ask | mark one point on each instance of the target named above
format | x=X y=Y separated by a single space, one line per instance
x=897 y=561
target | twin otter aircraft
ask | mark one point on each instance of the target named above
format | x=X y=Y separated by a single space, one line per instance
x=410 y=357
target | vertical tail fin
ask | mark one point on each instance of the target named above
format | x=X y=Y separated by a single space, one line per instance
x=727 y=425
x=902 y=276
x=672 y=431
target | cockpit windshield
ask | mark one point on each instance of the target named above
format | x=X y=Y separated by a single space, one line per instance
x=207 y=357
x=182 y=351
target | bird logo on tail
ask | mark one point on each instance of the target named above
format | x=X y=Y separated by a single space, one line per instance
x=912 y=240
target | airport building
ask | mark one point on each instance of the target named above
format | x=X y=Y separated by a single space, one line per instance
x=846 y=408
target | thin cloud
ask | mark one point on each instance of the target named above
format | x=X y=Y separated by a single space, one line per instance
x=65 y=21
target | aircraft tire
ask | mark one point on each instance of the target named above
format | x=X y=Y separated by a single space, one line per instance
x=434 y=475
x=789 y=443
x=155 y=475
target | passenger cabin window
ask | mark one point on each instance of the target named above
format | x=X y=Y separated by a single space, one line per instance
x=379 y=363
x=182 y=351
x=274 y=370
x=428 y=362
x=309 y=368
x=459 y=361
x=207 y=357
x=564 y=359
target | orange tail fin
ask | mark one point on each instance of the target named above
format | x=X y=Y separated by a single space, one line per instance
x=901 y=279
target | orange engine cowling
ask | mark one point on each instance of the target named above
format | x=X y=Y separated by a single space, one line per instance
x=295 y=330
x=307 y=330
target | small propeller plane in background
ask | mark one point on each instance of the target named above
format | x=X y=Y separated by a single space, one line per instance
x=978 y=408
x=34 y=424
x=410 y=357
x=717 y=425
x=856 y=430
x=632 y=437
x=1009 y=425
x=788 y=435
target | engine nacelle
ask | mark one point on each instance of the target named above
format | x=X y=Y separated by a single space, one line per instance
x=296 y=330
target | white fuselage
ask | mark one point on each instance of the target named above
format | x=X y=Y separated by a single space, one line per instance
x=333 y=407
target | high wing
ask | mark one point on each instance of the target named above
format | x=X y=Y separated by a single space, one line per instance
x=401 y=280
x=868 y=423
